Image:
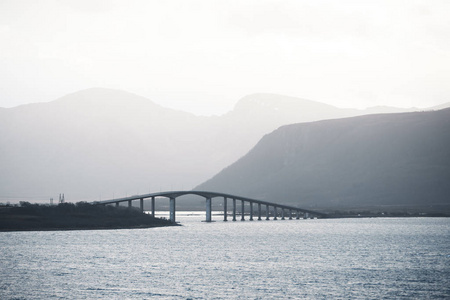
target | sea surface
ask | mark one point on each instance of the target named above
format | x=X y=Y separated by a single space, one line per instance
x=373 y=258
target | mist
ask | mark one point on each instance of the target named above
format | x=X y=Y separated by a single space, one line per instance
x=203 y=56
x=112 y=98
x=102 y=143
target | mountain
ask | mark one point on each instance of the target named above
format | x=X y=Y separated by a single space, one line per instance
x=385 y=160
x=92 y=142
x=103 y=143
x=440 y=106
x=257 y=114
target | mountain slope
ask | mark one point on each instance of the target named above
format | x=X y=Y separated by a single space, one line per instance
x=258 y=114
x=387 y=159
x=440 y=106
x=103 y=143
x=89 y=143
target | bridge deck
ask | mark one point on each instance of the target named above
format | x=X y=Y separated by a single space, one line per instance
x=208 y=195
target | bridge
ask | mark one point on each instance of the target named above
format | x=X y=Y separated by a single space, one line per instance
x=278 y=210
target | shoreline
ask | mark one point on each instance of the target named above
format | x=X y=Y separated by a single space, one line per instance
x=179 y=224
x=80 y=216
x=91 y=228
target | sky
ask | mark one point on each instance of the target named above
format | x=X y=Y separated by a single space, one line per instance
x=203 y=56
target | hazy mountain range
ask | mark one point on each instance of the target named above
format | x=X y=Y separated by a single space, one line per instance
x=385 y=161
x=102 y=143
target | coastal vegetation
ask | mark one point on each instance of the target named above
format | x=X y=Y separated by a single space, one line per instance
x=70 y=216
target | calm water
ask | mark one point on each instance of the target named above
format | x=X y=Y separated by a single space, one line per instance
x=292 y=259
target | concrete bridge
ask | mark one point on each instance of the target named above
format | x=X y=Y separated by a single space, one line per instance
x=256 y=207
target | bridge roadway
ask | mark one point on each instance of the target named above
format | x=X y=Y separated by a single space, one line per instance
x=285 y=210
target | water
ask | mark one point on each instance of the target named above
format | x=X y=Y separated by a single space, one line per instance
x=292 y=259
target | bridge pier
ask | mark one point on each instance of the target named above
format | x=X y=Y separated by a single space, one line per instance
x=225 y=209
x=282 y=214
x=153 y=206
x=234 y=209
x=297 y=215
x=267 y=212
x=129 y=204
x=251 y=211
x=117 y=204
x=275 y=213
x=242 y=210
x=259 y=211
x=290 y=214
x=208 y=209
x=172 y=210
x=141 y=204
x=306 y=216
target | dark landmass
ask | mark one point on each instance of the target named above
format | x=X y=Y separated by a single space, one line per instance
x=69 y=216
x=388 y=162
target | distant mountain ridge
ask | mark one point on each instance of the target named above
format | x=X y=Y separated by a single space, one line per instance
x=385 y=160
x=103 y=143
x=440 y=106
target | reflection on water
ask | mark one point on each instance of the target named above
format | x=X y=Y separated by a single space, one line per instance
x=343 y=258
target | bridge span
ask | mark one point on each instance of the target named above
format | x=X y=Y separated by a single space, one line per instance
x=270 y=209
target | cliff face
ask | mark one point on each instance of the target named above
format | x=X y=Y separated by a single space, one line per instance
x=377 y=160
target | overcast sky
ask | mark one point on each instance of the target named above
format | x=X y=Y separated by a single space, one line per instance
x=203 y=56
